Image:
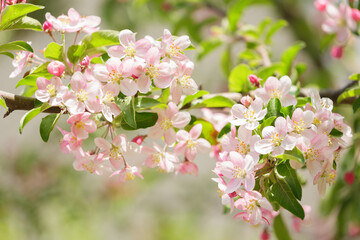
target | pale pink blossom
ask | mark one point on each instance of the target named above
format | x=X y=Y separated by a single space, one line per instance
x=20 y=61
x=167 y=120
x=246 y=101
x=50 y=91
x=56 y=68
x=297 y=222
x=321 y=5
x=129 y=47
x=108 y=106
x=128 y=173
x=188 y=168
x=240 y=171
x=82 y=125
x=327 y=175
x=355 y=14
x=274 y=88
x=250 y=116
x=217 y=119
x=159 y=157
x=300 y=120
x=63 y=23
x=320 y=103
x=91 y=163
x=226 y=198
x=275 y=139
x=173 y=48
x=252 y=204
x=190 y=143
x=69 y=142
x=88 y=24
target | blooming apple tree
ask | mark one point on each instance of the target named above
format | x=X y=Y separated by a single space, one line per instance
x=111 y=85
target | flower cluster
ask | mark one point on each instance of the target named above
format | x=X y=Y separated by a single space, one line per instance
x=340 y=19
x=272 y=130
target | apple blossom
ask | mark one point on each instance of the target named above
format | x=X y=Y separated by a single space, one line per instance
x=158 y=156
x=56 y=68
x=50 y=91
x=81 y=125
x=250 y=116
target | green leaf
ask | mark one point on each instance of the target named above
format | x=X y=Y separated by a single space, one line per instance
x=294 y=154
x=355 y=77
x=353 y=92
x=3 y=103
x=30 y=80
x=47 y=125
x=356 y=105
x=143 y=120
x=101 y=38
x=74 y=53
x=226 y=129
x=208 y=46
x=164 y=97
x=208 y=131
x=266 y=72
x=238 y=79
x=215 y=102
x=9 y=54
x=16 y=46
x=335 y=133
x=42 y=69
x=226 y=61
x=273 y=108
x=31 y=114
x=197 y=95
x=127 y=107
x=302 y=101
x=289 y=174
x=267 y=122
x=235 y=11
x=281 y=193
x=289 y=55
x=273 y=29
x=145 y=103
x=13 y=12
x=287 y=111
x=280 y=228
x=54 y=51
x=25 y=23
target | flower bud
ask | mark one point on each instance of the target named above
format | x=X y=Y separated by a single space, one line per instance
x=349 y=177
x=138 y=139
x=246 y=101
x=56 y=68
x=85 y=62
x=254 y=80
x=265 y=235
x=337 y=51
x=321 y=5
x=189 y=168
x=355 y=14
x=47 y=27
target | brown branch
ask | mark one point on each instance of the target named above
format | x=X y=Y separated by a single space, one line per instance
x=16 y=102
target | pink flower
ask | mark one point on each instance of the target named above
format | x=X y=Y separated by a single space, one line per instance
x=91 y=163
x=85 y=62
x=218 y=119
x=50 y=91
x=158 y=157
x=355 y=13
x=56 y=68
x=188 y=168
x=47 y=27
x=320 y=103
x=69 y=143
x=183 y=82
x=240 y=171
x=277 y=89
x=117 y=150
x=321 y=5
x=275 y=139
x=88 y=23
x=173 y=49
x=108 y=106
x=246 y=101
x=327 y=175
x=190 y=143
x=82 y=125
x=20 y=61
x=128 y=173
x=250 y=116
x=129 y=47
x=337 y=51
x=167 y=120
x=252 y=204
x=63 y=23
x=300 y=120
x=297 y=222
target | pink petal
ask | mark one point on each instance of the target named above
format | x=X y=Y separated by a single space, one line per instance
x=195 y=131
x=181 y=119
x=126 y=37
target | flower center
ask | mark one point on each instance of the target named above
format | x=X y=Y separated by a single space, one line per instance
x=241 y=147
x=109 y=97
x=81 y=95
x=251 y=205
x=191 y=144
x=114 y=77
x=276 y=93
x=152 y=71
x=317 y=121
x=129 y=176
x=185 y=81
x=249 y=114
x=80 y=125
x=276 y=139
x=311 y=154
x=330 y=176
x=239 y=172
x=299 y=126
x=166 y=124
x=116 y=153
x=130 y=51
x=173 y=50
x=90 y=166
x=51 y=90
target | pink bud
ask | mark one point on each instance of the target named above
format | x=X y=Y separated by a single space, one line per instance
x=254 y=80
x=47 y=27
x=56 y=68
x=138 y=139
x=85 y=62
x=233 y=194
x=246 y=101
x=321 y=5
x=355 y=14
x=189 y=168
x=337 y=51
x=349 y=177
x=265 y=235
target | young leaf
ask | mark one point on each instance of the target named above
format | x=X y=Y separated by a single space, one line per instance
x=273 y=29
x=98 y=39
x=355 y=77
x=207 y=46
x=335 y=133
x=208 y=131
x=226 y=61
x=273 y=108
x=145 y=102
x=9 y=54
x=226 y=129
x=352 y=92
x=266 y=72
x=281 y=193
x=214 y=102
x=31 y=114
x=235 y=12
x=30 y=80
x=267 y=122
x=16 y=46
x=289 y=55
x=294 y=154
x=47 y=125
x=73 y=54
x=143 y=120
x=127 y=107
x=3 y=103
x=238 y=79
x=280 y=228
x=302 y=101
x=13 y=12
x=25 y=23
x=285 y=171
x=54 y=51
x=197 y=95
x=356 y=105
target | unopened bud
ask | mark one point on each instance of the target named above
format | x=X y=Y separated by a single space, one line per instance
x=56 y=68
x=138 y=139
x=246 y=101
x=254 y=80
x=47 y=27
x=349 y=177
x=337 y=51
x=355 y=14
x=265 y=235
x=321 y=5
x=85 y=62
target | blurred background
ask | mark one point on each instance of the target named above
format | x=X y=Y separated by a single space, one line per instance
x=43 y=197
